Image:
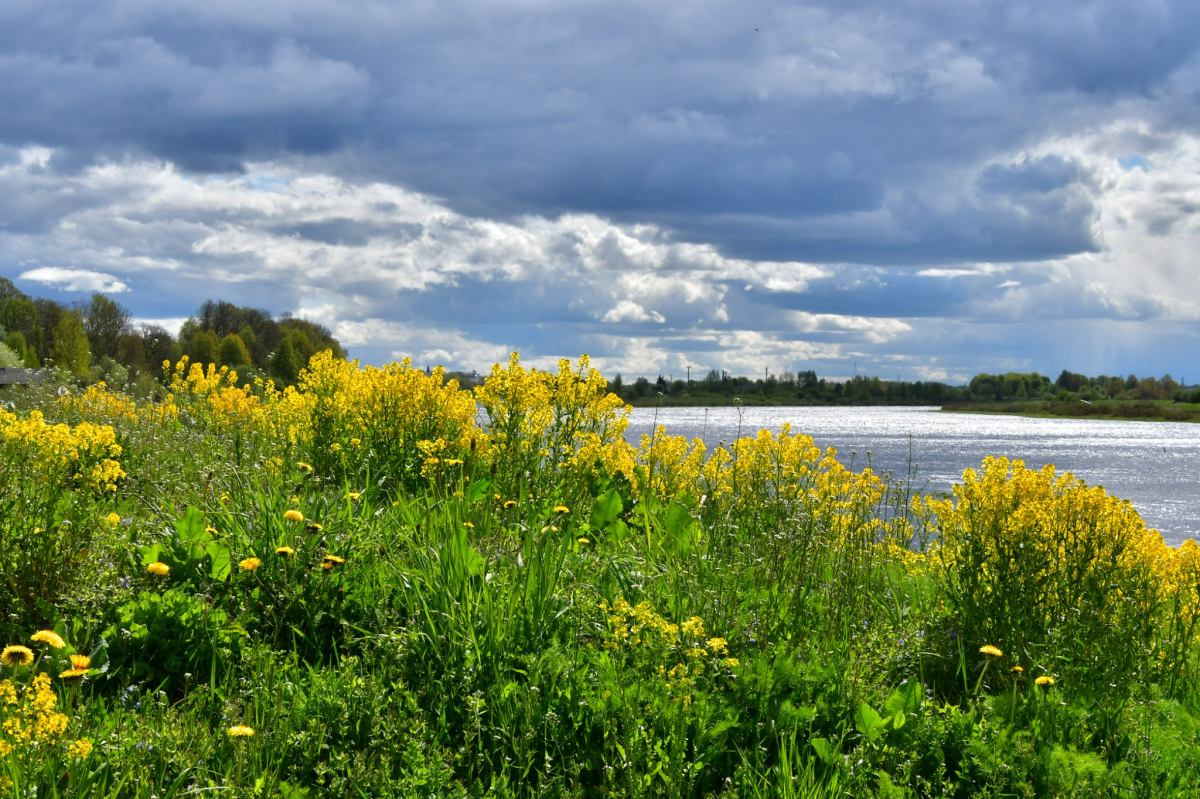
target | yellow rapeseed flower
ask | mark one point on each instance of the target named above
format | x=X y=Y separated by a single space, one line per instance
x=16 y=655
x=249 y=564
x=159 y=568
x=112 y=519
x=1043 y=681
x=293 y=516
x=49 y=638
x=80 y=749
x=285 y=552
x=988 y=649
x=240 y=731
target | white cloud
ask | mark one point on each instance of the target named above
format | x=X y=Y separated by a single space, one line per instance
x=629 y=311
x=66 y=279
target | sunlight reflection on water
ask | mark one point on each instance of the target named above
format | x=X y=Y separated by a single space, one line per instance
x=1156 y=465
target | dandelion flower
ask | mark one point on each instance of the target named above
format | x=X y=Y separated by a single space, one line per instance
x=561 y=509
x=582 y=540
x=988 y=649
x=1043 y=680
x=212 y=531
x=304 y=467
x=49 y=638
x=313 y=527
x=112 y=519
x=240 y=731
x=285 y=552
x=335 y=560
x=326 y=565
x=159 y=568
x=72 y=674
x=249 y=564
x=16 y=655
x=1017 y=669
x=510 y=504
x=354 y=495
x=80 y=662
x=293 y=516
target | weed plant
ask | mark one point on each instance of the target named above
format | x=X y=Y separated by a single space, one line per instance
x=380 y=584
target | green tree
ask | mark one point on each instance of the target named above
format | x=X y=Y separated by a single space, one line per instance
x=202 y=347
x=106 y=322
x=8 y=358
x=69 y=345
x=233 y=352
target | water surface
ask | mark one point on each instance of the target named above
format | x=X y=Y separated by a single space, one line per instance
x=1156 y=465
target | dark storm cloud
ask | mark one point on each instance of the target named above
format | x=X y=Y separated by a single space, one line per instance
x=728 y=122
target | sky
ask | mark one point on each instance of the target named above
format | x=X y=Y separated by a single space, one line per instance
x=911 y=189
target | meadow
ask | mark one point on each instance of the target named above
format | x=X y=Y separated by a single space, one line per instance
x=379 y=584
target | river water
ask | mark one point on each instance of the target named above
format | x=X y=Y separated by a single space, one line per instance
x=1156 y=465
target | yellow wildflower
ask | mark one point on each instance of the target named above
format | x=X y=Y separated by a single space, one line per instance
x=249 y=564
x=561 y=509
x=285 y=552
x=354 y=495
x=81 y=661
x=1017 y=669
x=510 y=504
x=1043 y=681
x=583 y=540
x=159 y=568
x=335 y=560
x=48 y=637
x=16 y=655
x=293 y=516
x=718 y=645
x=240 y=731
x=988 y=649
x=304 y=467
x=112 y=519
x=80 y=749
x=72 y=674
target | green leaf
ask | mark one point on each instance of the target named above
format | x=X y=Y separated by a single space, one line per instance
x=868 y=722
x=479 y=490
x=222 y=560
x=150 y=554
x=822 y=748
x=191 y=525
x=607 y=510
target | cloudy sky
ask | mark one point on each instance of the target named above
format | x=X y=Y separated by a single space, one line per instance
x=926 y=189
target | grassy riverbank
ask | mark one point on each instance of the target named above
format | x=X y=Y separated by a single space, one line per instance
x=1151 y=411
x=358 y=589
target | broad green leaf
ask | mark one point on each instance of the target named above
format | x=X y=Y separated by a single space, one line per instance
x=607 y=510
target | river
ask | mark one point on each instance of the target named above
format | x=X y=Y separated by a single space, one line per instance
x=1155 y=465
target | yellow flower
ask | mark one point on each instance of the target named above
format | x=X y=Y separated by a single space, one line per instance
x=335 y=447
x=561 y=509
x=72 y=674
x=17 y=655
x=249 y=564
x=159 y=568
x=304 y=467
x=285 y=552
x=224 y=499
x=354 y=495
x=80 y=749
x=1017 y=669
x=293 y=516
x=313 y=527
x=469 y=525
x=354 y=442
x=718 y=645
x=988 y=649
x=48 y=637
x=582 y=540
x=334 y=560
x=327 y=565
x=80 y=661
x=212 y=531
x=1044 y=681
x=509 y=504
x=112 y=519
x=240 y=731
x=730 y=663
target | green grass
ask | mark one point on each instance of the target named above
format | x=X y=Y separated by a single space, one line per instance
x=465 y=648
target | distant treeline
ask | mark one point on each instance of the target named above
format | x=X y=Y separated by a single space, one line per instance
x=98 y=339
x=806 y=388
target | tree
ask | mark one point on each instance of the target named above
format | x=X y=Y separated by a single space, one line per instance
x=159 y=346
x=8 y=358
x=69 y=345
x=233 y=352
x=291 y=357
x=202 y=348
x=105 y=322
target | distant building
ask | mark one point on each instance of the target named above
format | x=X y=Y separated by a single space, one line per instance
x=20 y=377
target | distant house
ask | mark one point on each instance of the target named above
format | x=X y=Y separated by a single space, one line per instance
x=19 y=377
